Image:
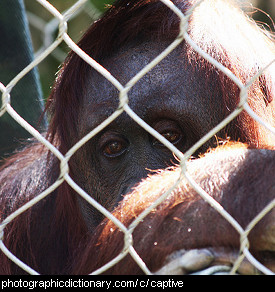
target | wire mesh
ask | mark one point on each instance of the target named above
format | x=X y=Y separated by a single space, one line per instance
x=49 y=46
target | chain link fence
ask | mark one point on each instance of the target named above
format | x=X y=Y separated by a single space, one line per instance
x=51 y=45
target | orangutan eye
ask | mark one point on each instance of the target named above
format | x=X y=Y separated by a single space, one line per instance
x=114 y=148
x=169 y=130
x=172 y=137
x=113 y=145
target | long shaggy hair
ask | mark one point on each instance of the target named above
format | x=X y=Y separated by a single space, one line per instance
x=46 y=235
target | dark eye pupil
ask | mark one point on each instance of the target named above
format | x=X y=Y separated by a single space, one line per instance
x=113 y=148
x=171 y=136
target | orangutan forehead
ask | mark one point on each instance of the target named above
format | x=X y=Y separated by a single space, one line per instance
x=129 y=61
x=135 y=56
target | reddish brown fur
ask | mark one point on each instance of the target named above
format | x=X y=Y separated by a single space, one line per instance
x=46 y=236
x=56 y=231
x=165 y=229
x=124 y=23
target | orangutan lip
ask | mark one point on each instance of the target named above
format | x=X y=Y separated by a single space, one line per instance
x=227 y=257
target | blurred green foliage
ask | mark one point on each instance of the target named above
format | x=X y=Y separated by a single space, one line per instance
x=101 y=4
